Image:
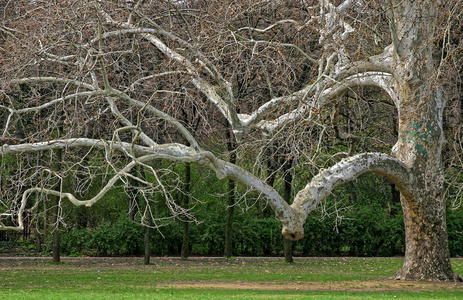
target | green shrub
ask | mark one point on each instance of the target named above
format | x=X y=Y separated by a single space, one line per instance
x=372 y=226
x=455 y=231
x=123 y=237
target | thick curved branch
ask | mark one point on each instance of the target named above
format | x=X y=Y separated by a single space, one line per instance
x=231 y=171
x=346 y=170
x=174 y=150
x=257 y=116
x=382 y=80
x=360 y=73
x=169 y=152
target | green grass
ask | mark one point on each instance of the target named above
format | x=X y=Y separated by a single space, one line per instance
x=238 y=278
x=231 y=294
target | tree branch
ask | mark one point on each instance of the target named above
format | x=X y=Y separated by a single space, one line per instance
x=347 y=170
x=225 y=105
x=169 y=152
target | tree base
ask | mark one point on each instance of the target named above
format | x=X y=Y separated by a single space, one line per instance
x=426 y=275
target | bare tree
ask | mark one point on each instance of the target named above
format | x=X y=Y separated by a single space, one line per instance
x=122 y=71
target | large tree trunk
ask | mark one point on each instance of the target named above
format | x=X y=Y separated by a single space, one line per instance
x=420 y=145
x=427 y=255
x=421 y=106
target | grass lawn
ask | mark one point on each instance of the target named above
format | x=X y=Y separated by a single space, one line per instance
x=215 y=278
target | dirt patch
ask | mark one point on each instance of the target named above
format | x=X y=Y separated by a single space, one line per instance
x=348 y=286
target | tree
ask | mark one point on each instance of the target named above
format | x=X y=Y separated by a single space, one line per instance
x=122 y=69
x=228 y=240
x=186 y=197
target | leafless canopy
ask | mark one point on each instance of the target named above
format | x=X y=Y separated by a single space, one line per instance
x=104 y=89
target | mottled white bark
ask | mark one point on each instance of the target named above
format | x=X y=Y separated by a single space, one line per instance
x=421 y=138
x=346 y=170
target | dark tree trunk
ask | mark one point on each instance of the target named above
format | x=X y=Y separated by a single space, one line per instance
x=56 y=213
x=136 y=199
x=228 y=247
x=38 y=235
x=56 y=244
x=44 y=235
x=186 y=204
x=186 y=240
x=147 y=237
x=39 y=241
x=395 y=199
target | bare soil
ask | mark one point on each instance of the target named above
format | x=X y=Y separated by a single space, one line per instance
x=136 y=263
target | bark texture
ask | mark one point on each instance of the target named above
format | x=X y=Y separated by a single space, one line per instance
x=420 y=142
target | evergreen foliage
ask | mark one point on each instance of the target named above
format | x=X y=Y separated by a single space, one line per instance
x=369 y=225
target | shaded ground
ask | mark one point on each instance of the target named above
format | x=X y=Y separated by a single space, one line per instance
x=205 y=265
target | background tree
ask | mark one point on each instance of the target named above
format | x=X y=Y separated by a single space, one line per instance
x=228 y=242
x=123 y=72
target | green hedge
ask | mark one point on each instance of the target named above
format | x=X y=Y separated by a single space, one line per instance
x=367 y=232
x=123 y=237
x=370 y=233
x=371 y=226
